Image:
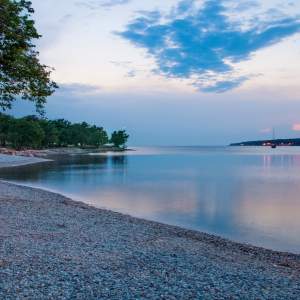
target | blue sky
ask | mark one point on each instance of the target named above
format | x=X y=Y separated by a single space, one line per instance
x=174 y=73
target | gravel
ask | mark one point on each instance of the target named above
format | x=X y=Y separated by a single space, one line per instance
x=54 y=248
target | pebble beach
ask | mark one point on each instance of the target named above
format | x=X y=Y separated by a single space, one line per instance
x=52 y=247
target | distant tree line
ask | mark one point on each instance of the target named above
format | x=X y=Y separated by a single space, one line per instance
x=36 y=133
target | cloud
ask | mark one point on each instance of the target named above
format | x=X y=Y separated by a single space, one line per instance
x=110 y=3
x=131 y=74
x=245 y=5
x=296 y=127
x=266 y=130
x=65 y=18
x=202 y=43
x=224 y=86
x=94 y=4
x=78 y=89
x=130 y=70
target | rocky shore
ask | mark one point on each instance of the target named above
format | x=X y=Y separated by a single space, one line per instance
x=17 y=160
x=54 y=248
x=53 y=152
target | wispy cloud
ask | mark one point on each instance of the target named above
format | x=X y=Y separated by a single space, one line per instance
x=224 y=86
x=78 y=89
x=65 y=18
x=245 y=5
x=202 y=42
x=266 y=130
x=94 y=4
x=109 y=3
x=129 y=67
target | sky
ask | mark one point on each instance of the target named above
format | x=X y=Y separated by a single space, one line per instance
x=174 y=72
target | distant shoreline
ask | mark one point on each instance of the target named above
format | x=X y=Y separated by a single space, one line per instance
x=277 y=142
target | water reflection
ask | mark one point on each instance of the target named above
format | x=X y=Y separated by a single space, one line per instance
x=119 y=160
x=248 y=195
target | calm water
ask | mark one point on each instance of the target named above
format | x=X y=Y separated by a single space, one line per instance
x=245 y=194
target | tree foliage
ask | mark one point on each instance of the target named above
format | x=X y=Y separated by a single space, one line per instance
x=119 y=138
x=5 y=122
x=25 y=133
x=36 y=133
x=21 y=73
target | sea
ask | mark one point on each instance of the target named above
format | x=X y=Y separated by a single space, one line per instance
x=245 y=194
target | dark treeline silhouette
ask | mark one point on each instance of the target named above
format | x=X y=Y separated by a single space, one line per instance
x=36 y=133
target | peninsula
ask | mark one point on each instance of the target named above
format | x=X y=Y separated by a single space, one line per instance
x=277 y=142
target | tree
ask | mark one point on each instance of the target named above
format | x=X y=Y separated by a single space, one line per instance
x=36 y=132
x=119 y=138
x=85 y=135
x=25 y=133
x=101 y=136
x=5 y=122
x=97 y=136
x=21 y=73
x=50 y=133
x=79 y=133
x=64 y=132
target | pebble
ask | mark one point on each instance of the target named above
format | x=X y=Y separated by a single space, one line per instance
x=54 y=248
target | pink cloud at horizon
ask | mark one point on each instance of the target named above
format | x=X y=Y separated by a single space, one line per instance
x=296 y=127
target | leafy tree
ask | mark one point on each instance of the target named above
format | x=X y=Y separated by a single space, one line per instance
x=119 y=138
x=79 y=134
x=5 y=122
x=97 y=136
x=21 y=73
x=35 y=132
x=64 y=132
x=25 y=134
x=50 y=133
x=101 y=137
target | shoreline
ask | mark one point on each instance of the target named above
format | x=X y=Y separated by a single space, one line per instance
x=13 y=161
x=54 y=247
x=12 y=158
x=50 y=152
x=189 y=232
x=45 y=237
